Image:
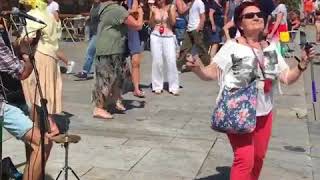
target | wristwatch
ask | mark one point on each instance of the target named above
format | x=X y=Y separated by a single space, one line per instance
x=302 y=67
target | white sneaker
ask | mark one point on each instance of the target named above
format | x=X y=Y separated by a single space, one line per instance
x=175 y=93
x=70 y=67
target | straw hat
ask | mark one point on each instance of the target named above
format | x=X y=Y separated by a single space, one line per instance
x=41 y=4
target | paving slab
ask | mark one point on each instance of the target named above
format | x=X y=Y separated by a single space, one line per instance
x=217 y=163
x=149 y=176
x=299 y=164
x=171 y=162
x=122 y=157
x=14 y=149
x=197 y=145
x=149 y=141
x=5 y=135
x=97 y=173
x=316 y=168
x=278 y=173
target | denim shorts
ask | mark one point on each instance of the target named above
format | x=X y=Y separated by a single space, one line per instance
x=16 y=122
x=134 y=42
x=215 y=37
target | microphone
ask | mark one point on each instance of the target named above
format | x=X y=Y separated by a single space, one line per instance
x=16 y=11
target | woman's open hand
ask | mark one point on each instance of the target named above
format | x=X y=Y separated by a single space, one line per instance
x=193 y=62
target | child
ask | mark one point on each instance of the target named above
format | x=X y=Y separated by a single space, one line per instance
x=295 y=22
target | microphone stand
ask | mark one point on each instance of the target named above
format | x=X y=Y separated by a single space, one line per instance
x=43 y=111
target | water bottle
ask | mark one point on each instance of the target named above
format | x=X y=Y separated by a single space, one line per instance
x=86 y=33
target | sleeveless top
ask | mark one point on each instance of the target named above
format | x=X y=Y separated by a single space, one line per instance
x=161 y=18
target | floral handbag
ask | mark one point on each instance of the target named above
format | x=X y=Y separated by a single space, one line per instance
x=235 y=112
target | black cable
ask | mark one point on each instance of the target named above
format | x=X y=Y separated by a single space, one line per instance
x=43 y=109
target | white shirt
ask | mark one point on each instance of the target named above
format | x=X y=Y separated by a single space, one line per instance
x=53 y=7
x=239 y=69
x=195 y=10
x=281 y=8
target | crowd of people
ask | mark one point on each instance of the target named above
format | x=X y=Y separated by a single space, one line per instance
x=217 y=40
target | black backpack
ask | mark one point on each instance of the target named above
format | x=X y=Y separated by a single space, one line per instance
x=9 y=171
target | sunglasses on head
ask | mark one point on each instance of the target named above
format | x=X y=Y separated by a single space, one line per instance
x=251 y=15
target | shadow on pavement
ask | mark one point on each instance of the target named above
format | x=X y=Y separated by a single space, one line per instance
x=132 y=104
x=128 y=104
x=145 y=86
x=48 y=177
x=224 y=172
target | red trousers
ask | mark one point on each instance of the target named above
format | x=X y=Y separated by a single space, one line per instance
x=250 y=149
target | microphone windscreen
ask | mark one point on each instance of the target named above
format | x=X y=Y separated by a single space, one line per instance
x=15 y=10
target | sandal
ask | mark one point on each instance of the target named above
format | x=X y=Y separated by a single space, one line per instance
x=103 y=114
x=139 y=95
x=102 y=117
x=119 y=106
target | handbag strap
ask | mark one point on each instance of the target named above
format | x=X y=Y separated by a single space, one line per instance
x=260 y=65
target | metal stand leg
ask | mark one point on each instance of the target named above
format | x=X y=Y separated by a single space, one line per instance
x=66 y=165
x=59 y=173
x=74 y=173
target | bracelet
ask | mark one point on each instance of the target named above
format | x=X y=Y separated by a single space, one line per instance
x=301 y=68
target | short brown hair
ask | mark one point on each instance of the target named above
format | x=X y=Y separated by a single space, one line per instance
x=238 y=12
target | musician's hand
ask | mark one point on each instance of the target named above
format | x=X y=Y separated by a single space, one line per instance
x=54 y=130
x=37 y=38
x=24 y=47
x=25 y=58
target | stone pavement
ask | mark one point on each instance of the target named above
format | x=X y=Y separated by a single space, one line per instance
x=168 y=138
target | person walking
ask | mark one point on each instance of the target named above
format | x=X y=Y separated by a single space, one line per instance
x=136 y=49
x=277 y=21
x=229 y=28
x=110 y=62
x=91 y=49
x=236 y=66
x=53 y=8
x=215 y=25
x=194 y=35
